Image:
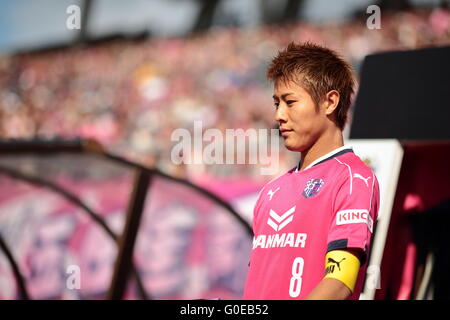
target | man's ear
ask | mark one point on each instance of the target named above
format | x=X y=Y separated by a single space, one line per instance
x=331 y=101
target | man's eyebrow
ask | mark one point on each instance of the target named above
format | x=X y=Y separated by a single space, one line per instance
x=283 y=96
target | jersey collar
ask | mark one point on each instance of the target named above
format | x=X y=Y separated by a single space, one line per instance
x=335 y=153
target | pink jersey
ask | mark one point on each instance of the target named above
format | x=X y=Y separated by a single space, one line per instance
x=300 y=216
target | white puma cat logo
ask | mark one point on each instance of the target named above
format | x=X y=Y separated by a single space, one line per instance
x=271 y=193
x=357 y=175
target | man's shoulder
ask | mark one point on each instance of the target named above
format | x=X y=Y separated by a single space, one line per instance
x=356 y=172
x=352 y=163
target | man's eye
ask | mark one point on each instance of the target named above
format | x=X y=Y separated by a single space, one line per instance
x=276 y=104
x=290 y=101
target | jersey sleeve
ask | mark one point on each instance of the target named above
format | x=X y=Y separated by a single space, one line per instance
x=355 y=211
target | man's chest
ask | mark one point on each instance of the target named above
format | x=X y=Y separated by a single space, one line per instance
x=294 y=204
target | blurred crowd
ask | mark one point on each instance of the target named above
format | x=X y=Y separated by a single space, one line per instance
x=131 y=95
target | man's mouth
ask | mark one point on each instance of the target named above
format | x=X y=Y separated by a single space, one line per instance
x=285 y=132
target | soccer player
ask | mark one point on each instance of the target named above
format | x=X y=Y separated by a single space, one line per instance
x=313 y=225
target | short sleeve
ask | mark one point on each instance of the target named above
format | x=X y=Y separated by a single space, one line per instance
x=355 y=212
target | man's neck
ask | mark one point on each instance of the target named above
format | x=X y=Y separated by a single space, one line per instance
x=325 y=144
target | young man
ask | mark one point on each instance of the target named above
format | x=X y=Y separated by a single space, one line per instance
x=313 y=225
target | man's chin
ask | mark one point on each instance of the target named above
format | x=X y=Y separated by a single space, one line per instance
x=293 y=148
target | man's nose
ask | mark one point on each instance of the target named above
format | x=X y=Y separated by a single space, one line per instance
x=280 y=114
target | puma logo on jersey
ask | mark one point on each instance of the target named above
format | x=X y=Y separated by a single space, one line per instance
x=279 y=222
x=270 y=193
x=358 y=176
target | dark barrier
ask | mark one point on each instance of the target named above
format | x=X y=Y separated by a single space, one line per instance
x=404 y=95
x=71 y=169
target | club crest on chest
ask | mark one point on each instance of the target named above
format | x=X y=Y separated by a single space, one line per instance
x=312 y=187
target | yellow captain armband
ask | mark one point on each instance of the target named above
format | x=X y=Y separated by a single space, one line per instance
x=343 y=266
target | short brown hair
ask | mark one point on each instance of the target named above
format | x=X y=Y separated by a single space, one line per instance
x=318 y=70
